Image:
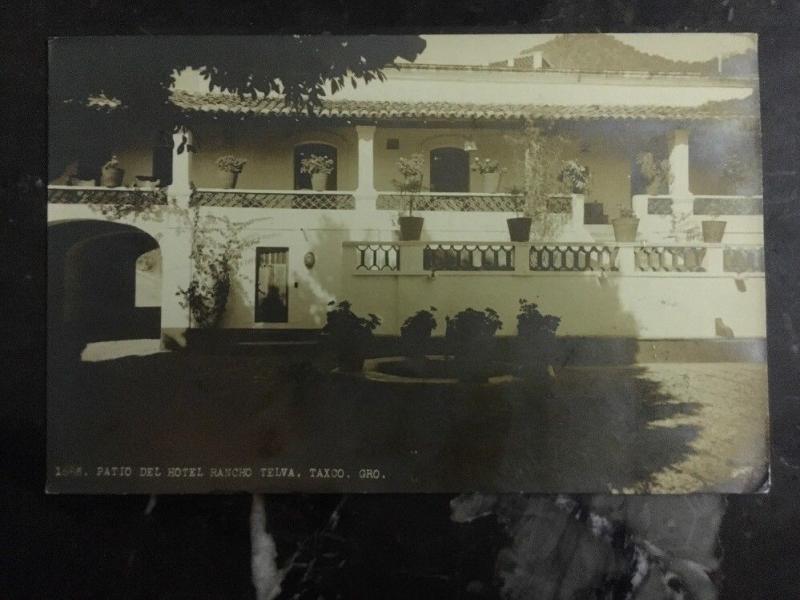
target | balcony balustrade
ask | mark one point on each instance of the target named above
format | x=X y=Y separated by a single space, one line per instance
x=552 y=257
x=66 y=194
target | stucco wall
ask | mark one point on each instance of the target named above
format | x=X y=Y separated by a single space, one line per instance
x=641 y=306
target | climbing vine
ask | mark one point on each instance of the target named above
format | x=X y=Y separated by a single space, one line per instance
x=217 y=248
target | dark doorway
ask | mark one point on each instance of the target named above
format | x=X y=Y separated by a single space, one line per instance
x=272 y=285
x=92 y=278
x=449 y=170
x=302 y=181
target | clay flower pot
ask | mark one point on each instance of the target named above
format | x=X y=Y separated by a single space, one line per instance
x=713 y=231
x=319 y=182
x=491 y=181
x=410 y=228
x=228 y=179
x=625 y=229
x=111 y=176
x=519 y=229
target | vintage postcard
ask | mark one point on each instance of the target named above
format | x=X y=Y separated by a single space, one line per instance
x=406 y=264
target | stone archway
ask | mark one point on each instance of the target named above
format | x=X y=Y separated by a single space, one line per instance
x=103 y=283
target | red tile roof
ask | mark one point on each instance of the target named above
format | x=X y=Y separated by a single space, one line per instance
x=390 y=110
x=219 y=104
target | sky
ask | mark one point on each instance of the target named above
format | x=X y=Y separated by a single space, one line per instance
x=480 y=50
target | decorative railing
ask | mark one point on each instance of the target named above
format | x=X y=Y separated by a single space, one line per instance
x=559 y=204
x=530 y=258
x=722 y=205
x=464 y=202
x=66 y=194
x=682 y=259
x=468 y=257
x=572 y=257
x=705 y=205
x=297 y=199
x=743 y=259
x=378 y=257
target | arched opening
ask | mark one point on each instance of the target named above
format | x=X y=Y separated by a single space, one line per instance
x=449 y=170
x=302 y=181
x=104 y=283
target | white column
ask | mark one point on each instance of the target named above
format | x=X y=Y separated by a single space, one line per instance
x=176 y=245
x=181 y=164
x=679 y=163
x=626 y=258
x=365 y=193
x=411 y=255
x=714 y=260
x=522 y=258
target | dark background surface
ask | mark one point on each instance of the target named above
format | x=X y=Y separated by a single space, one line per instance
x=199 y=546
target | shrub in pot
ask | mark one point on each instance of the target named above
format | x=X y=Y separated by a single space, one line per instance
x=625 y=225
x=490 y=171
x=536 y=341
x=111 y=174
x=411 y=169
x=229 y=169
x=656 y=172
x=519 y=227
x=415 y=337
x=574 y=177
x=470 y=341
x=318 y=167
x=349 y=335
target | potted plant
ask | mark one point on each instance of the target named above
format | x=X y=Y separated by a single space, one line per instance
x=349 y=335
x=536 y=339
x=574 y=177
x=319 y=167
x=411 y=169
x=415 y=336
x=519 y=227
x=111 y=174
x=713 y=228
x=229 y=169
x=656 y=172
x=470 y=340
x=625 y=225
x=490 y=172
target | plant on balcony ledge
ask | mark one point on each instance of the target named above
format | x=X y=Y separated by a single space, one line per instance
x=411 y=169
x=490 y=171
x=470 y=340
x=625 y=225
x=519 y=226
x=111 y=174
x=536 y=341
x=349 y=335
x=656 y=172
x=714 y=227
x=575 y=177
x=229 y=169
x=540 y=168
x=318 y=167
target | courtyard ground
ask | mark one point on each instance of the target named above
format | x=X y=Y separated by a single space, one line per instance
x=648 y=428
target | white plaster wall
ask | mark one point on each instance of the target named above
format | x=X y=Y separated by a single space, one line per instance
x=498 y=87
x=647 y=306
x=269 y=153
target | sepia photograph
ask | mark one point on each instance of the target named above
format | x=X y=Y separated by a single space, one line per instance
x=436 y=263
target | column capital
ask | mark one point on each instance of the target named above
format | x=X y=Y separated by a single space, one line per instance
x=365 y=132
